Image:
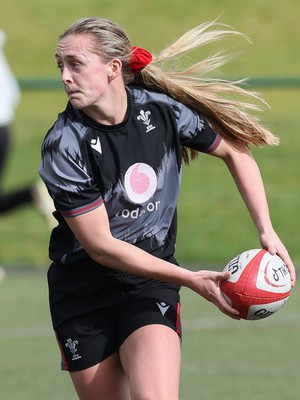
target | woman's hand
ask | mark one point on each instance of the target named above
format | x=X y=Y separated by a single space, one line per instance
x=272 y=243
x=207 y=284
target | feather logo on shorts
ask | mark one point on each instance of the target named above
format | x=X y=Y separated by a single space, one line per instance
x=72 y=346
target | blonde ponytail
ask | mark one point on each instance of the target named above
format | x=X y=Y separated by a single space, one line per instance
x=211 y=97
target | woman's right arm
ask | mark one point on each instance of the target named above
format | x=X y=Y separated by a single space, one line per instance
x=93 y=232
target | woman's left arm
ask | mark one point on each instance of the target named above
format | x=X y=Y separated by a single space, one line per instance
x=248 y=180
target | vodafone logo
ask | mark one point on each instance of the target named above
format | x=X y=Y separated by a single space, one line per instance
x=140 y=182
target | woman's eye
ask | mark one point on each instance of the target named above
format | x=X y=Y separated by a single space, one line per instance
x=76 y=64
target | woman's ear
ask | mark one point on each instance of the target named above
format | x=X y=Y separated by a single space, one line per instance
x=115 y=68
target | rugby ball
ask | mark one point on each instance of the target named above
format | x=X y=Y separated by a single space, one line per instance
x=259 y=284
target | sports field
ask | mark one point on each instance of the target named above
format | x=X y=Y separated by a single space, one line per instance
x=222 y=359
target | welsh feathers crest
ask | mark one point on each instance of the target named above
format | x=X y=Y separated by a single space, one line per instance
x=144 y=117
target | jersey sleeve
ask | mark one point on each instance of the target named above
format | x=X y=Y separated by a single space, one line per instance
x=66 y=174
x=194 y=131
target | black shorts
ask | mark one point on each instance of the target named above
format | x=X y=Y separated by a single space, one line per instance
x=93 y=313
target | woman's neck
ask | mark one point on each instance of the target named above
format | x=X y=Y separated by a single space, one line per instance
x=113 y=109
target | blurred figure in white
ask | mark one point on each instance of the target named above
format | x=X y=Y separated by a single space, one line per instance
x=9 y=99
x=35 y=193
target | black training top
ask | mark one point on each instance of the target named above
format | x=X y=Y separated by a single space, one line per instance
x=134 y=168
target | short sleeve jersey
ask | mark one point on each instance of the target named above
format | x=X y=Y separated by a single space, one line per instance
x=134 y=168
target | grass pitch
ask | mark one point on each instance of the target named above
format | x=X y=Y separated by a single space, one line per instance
x=222 y=358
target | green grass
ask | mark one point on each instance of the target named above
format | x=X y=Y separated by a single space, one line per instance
x=249 y=360
x=33 y=27
x=30 y=357
x=222 y=358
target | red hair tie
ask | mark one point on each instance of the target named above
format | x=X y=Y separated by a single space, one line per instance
x=139 y=59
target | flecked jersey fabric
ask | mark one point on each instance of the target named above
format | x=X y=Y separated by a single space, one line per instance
x=134 y=168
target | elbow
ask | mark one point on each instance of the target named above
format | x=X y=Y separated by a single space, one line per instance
x=99 y=256
x=103 y=254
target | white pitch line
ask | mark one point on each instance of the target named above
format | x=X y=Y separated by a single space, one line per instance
x=17 y=333
x=201 y=324
x=188 y=324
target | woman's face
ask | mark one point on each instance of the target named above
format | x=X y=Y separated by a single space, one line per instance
x=84 y=75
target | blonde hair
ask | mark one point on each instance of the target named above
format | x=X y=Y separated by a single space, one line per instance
x=213 y=98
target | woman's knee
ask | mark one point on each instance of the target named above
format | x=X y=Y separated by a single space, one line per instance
x=104 y=381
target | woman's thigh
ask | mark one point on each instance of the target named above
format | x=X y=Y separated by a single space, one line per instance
x=151 y=358
x=104 y=381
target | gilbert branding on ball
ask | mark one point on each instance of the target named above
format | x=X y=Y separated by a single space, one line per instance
x=259 y=284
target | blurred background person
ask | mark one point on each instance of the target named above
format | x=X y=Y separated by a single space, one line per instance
x=35 y=193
